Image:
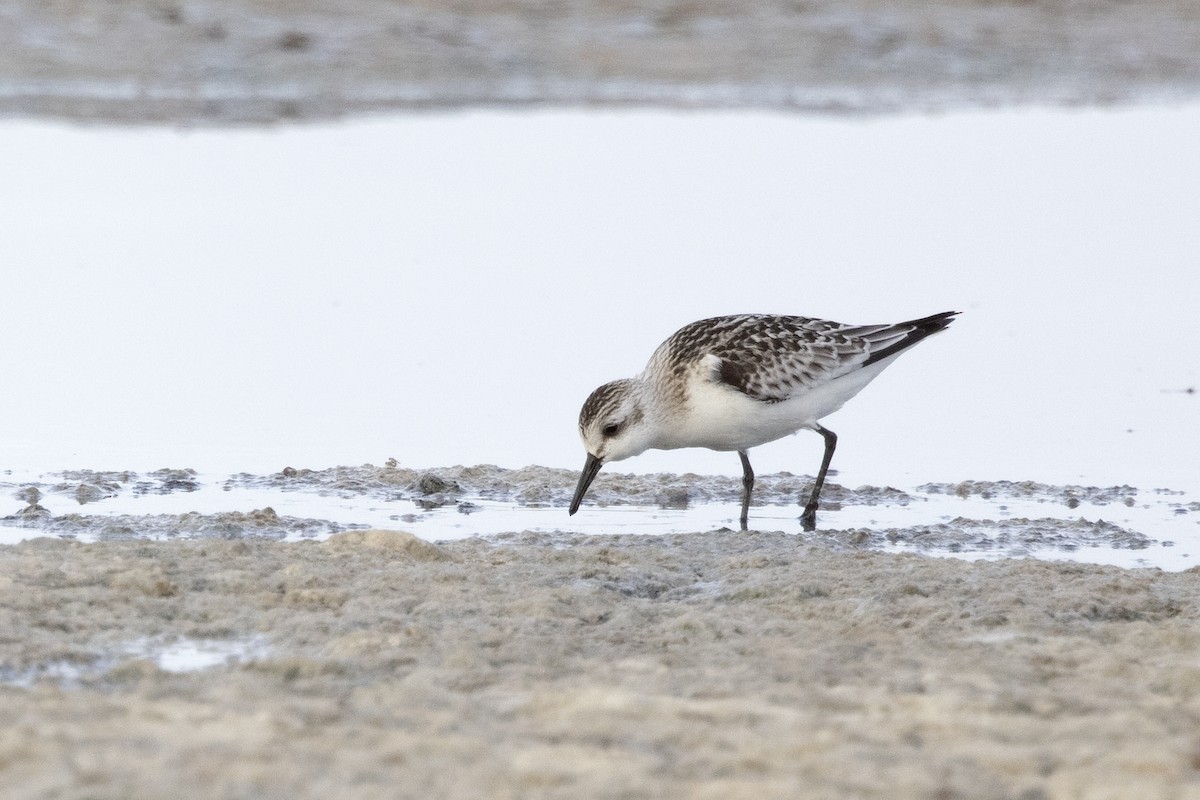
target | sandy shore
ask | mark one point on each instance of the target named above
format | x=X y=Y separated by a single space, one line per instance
x=708 y=665
x=256 y=61
x=718 y=664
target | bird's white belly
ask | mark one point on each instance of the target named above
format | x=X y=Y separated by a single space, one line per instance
x=728 y=420
x=721 y=418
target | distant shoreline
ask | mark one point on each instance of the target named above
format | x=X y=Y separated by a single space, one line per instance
x=254 y=62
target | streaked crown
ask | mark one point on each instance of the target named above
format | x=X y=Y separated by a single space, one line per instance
x=612 y=421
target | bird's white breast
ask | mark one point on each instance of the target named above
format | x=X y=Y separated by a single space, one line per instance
x=719 y=417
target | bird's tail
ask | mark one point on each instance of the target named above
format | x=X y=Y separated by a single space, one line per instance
x=891 y=339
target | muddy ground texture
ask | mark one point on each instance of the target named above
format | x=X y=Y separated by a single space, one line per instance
x=719 y=665
x=59 y=503
x=261 y=61
x=722 y=664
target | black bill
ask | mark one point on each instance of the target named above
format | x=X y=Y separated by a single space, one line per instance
x=590 y=468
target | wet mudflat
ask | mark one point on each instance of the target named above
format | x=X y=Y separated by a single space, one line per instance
x=311 y=662
x=375 y=664
x=1121 y=525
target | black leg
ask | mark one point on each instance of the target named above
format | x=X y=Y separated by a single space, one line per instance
x=808 y=520
x=747 y=487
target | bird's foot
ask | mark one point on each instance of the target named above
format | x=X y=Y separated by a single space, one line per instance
x=808 y=520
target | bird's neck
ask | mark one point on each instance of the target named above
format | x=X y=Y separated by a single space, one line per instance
x=661 y=402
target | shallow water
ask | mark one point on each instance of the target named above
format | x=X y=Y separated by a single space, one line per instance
x=439 y=347
x=1120 y=525
x=180 y=654
x=448 y=288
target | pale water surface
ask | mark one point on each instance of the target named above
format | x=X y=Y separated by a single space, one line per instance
x=447 y=289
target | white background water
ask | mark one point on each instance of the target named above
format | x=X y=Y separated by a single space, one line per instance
x=448 y=288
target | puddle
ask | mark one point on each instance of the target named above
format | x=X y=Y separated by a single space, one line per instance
x=1119 y=525
x=177 y=655
x=191 y=655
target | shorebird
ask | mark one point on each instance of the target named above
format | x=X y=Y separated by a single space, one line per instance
x=732 y=383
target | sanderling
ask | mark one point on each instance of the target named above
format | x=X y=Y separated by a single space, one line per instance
x=732 y=383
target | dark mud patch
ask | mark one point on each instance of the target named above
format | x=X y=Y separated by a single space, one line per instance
x=547 y=486
x=91 y=486
x=258 y=524
x=1069 y=495
x=442 y=486
x=166 y=481
x=1014 y=537
x=113 y=477
x=1017 y=537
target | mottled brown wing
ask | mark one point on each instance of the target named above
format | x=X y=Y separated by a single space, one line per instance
x=773 y=358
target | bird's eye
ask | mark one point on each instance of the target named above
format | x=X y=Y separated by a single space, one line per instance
x=611 y=429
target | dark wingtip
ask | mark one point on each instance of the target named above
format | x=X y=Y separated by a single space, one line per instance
x=920 y=329
x=933 y=323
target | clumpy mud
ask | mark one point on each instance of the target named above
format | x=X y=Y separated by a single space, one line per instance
x=257 y=61
x=547 y=486
x=722 y=665
x=1014 y=536
x=976 y=518
x=1071 y=495
x=260 y=523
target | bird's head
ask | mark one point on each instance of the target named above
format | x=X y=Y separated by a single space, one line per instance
x=612 y=425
